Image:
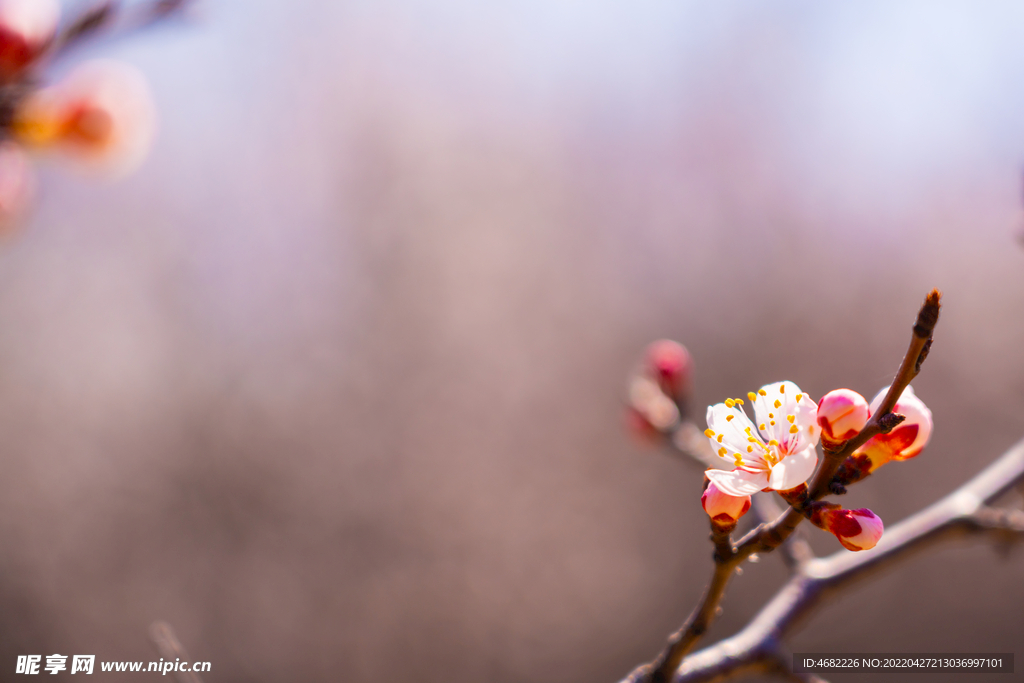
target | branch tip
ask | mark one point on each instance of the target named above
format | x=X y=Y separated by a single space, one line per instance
x=929 y=315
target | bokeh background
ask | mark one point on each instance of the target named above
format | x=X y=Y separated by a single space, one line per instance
x=334 y=382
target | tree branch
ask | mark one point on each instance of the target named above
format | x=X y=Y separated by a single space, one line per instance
x=961 y=513
x=881 y=421
x=767 y=537
x=170 y=648
x=795 y=550
x=104 y=14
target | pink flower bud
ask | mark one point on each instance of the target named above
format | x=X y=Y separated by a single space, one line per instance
x=841 y=414
x=855 y=529
x=671 y=364
x=26 y=27
x=101 y=112
x=648 y=400
x=722 y=508
x=908 y=438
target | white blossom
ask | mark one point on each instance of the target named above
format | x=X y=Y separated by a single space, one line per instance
x=774 y=452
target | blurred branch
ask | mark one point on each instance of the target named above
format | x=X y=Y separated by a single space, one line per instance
x=689 y=440
x=101 y=16
x=171 y=649
x=86 y=23
x=1004 y=525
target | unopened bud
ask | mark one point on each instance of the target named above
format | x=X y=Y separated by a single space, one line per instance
x=26 y=27
x=855 y=529
x=654 y=406
x=102 y=112
x=908 y=438
x=723 y=509
x=841 y=415
x=640 y=427
x=671 y=365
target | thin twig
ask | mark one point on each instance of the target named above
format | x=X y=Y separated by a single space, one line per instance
x=171 y=649
x=103 y=15
x=795 y=550
x=1007 y=524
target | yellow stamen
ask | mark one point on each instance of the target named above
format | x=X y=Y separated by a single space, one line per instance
x=782 y=388
x=750 y=449
x=771 y=414
x=709 y=433
x=729 y=403
x=772 y=423
x=722 y=452
x=791 y=418
x=794 y=429
x=798 y=397
x=739 y=401
x=762 y=392
x=810 y=429
x=778 y=403
x=761 y=426
x=720 y=437
x=728 y=418
x=752 y=396
x=773 y=442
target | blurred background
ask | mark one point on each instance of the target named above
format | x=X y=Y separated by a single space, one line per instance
x=334 y=382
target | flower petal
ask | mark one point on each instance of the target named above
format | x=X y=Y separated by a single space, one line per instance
x=793 y=470
x=730 y=427
x=738 y=482
x=916 y=413
x=805 y=413
x=775 y=404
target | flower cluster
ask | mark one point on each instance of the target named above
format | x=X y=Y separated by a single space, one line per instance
x=100 y=114
x=777 y=451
